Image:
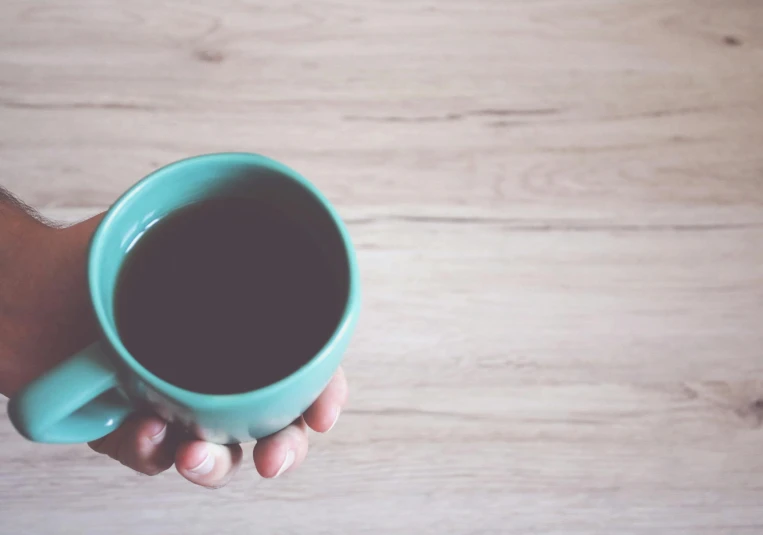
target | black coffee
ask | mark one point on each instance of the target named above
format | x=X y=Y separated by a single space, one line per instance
x=228 y=295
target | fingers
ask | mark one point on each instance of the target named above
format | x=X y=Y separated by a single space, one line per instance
x=281 y=451
x=209 y=465
x=141 y=443
x=323 y=414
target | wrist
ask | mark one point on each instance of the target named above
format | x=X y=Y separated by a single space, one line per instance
x=46 y=314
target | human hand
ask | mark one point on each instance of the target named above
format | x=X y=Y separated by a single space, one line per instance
x=45 y=316
x=146 y=444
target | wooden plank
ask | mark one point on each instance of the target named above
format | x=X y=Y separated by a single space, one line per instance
x=558 y=209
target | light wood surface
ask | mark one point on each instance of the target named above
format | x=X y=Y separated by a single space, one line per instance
x=558 y=208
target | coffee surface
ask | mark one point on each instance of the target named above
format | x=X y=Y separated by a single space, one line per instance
x=227 y=296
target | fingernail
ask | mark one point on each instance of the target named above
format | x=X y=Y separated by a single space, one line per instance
x=287 y=462
x=337 y=412
x=205 y=466
x=157 y=438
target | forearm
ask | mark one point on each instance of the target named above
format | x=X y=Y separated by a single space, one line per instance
x=44 y=307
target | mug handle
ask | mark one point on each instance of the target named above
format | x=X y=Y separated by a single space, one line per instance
x=77 y=401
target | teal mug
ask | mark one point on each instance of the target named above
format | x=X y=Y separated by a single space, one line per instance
x=89 y=395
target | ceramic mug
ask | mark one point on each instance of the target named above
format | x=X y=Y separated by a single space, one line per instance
x=90 y=394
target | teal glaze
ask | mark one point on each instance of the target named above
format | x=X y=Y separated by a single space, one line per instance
x=90 y=394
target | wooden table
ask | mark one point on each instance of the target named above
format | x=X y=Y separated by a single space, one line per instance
x=558 y=208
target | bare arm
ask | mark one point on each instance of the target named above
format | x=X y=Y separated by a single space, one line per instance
x=44 y=308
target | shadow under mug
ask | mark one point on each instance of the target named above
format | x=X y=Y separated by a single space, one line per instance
x=89 y=395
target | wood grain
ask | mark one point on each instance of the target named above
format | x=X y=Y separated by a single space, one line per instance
x=558 y=207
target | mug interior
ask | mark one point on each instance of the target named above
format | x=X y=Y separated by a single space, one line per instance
x=198 y=179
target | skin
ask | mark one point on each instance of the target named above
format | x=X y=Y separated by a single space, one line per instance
x=45 y=316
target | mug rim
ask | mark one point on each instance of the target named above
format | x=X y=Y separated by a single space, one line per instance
x=108 y=327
